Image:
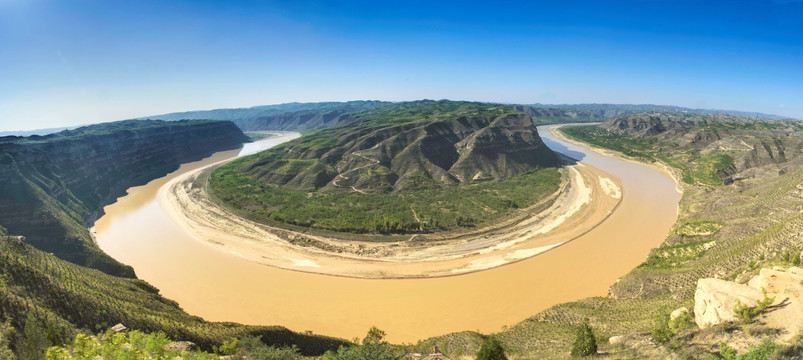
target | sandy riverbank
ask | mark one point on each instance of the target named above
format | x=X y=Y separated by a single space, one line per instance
x=671 y=172
x=213 y=284
x=587 y=198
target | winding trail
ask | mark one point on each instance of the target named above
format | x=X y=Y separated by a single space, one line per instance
x=221 y=286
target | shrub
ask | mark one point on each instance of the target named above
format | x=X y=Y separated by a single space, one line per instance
x=491 y=350
x=768 y=349
x=374 y=347
x=661 y=332
x=746 y=314
x=585 y=344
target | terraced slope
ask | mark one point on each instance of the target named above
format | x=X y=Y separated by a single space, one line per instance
x=706 y=149
x=724 y=231
x=52 y=187
x=38 y=290
x=388 y=157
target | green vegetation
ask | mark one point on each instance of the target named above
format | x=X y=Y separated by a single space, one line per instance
x=47 y=301
x=397 y=168
x=585 y=344
x=124 y=345
x=437 y=208
x=54 y=186
x=373 y=347
x=747 y=314
x=768 y=349
x=110 y=128
x=491 y=350
x=316 y=140
x=699 y=227
x=722 y=231
x=661 y=332
x=694 y=167
x=670 y=256
x=429 y=110
x=138 y=345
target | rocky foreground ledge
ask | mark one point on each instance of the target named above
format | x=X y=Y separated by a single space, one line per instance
x=715 y=300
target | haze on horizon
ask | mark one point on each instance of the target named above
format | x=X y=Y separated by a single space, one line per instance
x=71 y=63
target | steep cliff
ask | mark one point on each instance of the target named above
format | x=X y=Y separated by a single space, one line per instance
x=755 y=147
x=64 y=299
x=53 y=186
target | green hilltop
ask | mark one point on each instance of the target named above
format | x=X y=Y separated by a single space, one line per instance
x=406 y=167
x=740 y=212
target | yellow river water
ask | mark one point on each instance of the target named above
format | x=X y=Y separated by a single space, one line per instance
x=219 y=286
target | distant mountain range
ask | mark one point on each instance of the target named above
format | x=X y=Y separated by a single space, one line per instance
x=310 y=116
x=37 y=131
x=606 y=111
x=306 y=117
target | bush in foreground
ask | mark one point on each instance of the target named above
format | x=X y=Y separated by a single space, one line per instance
x=585 y=344
x=491 y=350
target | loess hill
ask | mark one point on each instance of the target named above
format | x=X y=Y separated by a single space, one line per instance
x=742 y=181
x=406 y=167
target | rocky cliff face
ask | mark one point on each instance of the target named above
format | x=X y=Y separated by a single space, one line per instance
x=758 y=147
x=715 y=299
x=409 y=156
x=52 y=187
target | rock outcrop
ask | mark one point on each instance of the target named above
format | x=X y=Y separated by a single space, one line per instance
x=52 y=187
x=715 y=299
x=758 y=148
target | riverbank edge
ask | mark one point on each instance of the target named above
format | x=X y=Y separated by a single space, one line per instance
x=169 y=200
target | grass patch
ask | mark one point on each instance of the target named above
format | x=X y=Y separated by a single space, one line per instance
x=667 y=257
x=699 y=227
x=437 y=208
x=695 y=168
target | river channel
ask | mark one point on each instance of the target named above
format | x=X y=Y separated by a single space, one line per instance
x=219 y=286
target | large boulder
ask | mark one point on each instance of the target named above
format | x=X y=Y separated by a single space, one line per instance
x=181 y=346
x=715 y=299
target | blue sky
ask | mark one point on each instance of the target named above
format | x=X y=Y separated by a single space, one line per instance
x=76 y=62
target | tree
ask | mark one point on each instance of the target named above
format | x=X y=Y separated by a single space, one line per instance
x=491 y=350
x=585 y=344
x=5 y=341
x=374 y=347
x=33 y=343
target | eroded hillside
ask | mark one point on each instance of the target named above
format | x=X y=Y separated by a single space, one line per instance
x=54 y=186
x=410 y=149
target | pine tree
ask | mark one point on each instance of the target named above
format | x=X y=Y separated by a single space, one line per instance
x=585 y=344
x=491 y=350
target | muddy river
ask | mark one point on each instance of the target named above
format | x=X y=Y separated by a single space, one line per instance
x=219 y=286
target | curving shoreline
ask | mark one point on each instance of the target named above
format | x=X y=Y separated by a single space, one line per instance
x=584 y=201
x=217 y=286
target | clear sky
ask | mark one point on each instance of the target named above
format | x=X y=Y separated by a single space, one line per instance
x=76 y=62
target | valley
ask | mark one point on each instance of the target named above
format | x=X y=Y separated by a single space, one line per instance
x=202 y=277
